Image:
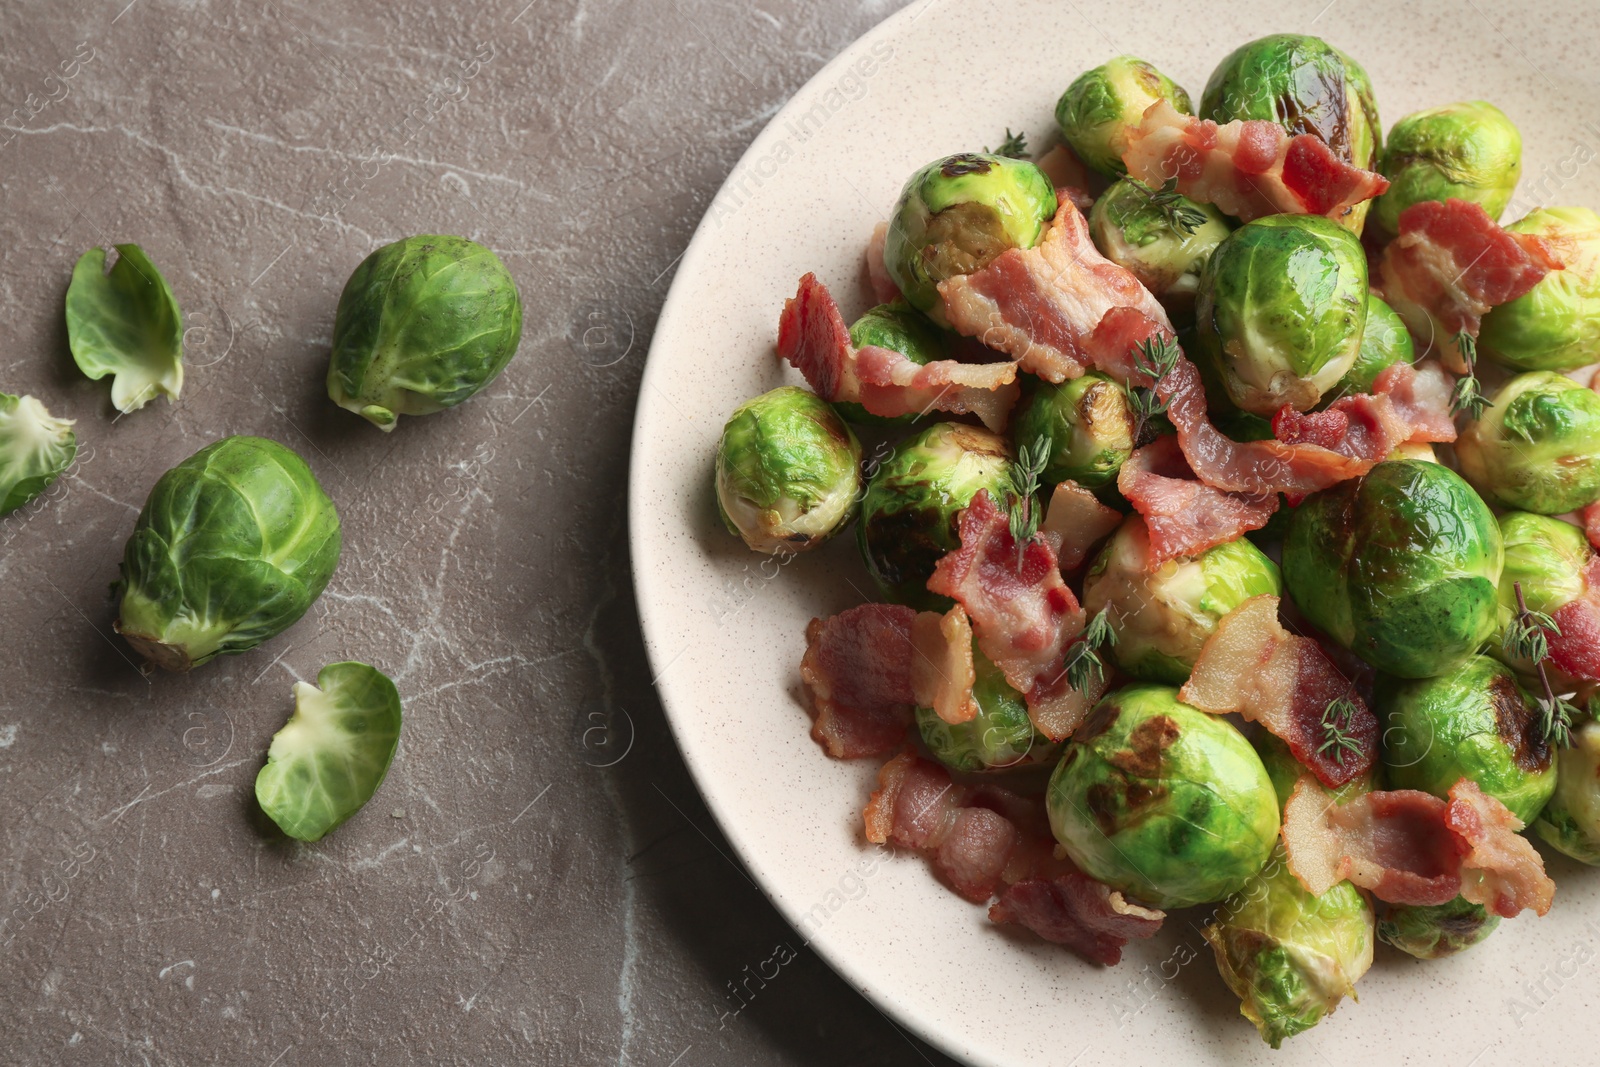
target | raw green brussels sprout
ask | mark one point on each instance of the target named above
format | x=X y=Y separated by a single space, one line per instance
x=901 y=328
x=1546 y=557
x=423 y=324
x=999 y=737
x=1571 y=821
x=1400 y=566
x=1285 y=771
x=333 y=753
x=1433 y=931
x=125 y=322
x=1556 y=324
x=1476 y=722
x=34 y=449
x=1465 y=151
x=788 y=471
x=1537 y=447
x=1162 y=615
x=1131 y=230
x=1281 y=310
x=1087 y=422
x=1385 y=341
x=1289 y=956
x=909 y=510
x=1304 y=85
x=233 y=546
x=1161 y=801
x=1102 y=105
x=956 y=215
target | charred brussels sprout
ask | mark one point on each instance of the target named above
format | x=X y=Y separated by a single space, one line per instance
x=788 y=471
x=1385 y=341
x=1086 y=421
x=1161 y=801
x=1289 y=956
x=35 y=448
x=999 y=737
x=956 y=215
x=423 y=324
x=1133 y=231
x=1162 y=616
x=1465 y=151
x=1281 y=310
x=1431 y=932
x=233 y=546
x=1546 y=557
x=1102 y=105
x=909 y=510
x=1476 y=722
x=1400 y=566
x=1537 y=447
x=1556 y=324
x=901 y=328
x=1571 y=821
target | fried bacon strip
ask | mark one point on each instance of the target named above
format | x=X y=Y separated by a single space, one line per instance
x=1079 y=520
x=942 y=671
x=1074 y=910
x=1253 y=667
x=1247 y=168
x=879 y=284
x=1501 y=869
x=1185 y=516
x=1575 y=651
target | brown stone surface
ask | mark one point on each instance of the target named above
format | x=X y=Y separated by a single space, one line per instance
x=506 y=898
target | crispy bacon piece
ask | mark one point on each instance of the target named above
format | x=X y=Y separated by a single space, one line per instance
x=1081 y=522
x=1247 y=168
x=813 y=337
x=857 y=669
x=1023 y=614
x=1591 y=524
x=1420 y=395
x=1185 y=516
x=1070 y=175
x=879 y=284
x=1575 y=651
x=1450 y=264
x=1072 y=909
x=1253 y=667
x=1501 y=869
x=942 y=671
x=1041 y=305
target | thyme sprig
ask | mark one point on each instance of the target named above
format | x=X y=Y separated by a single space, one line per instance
x=1086 y=670
x=1155 y=357
x=1468 y=393
x=1338 y=719
x=1180 y=214
x=1022 y=507
x=1015 y=146
x=1527 y=637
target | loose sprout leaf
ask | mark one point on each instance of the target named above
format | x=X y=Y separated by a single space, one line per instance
x=332 y=754
x=126 y=323
x=34 y=449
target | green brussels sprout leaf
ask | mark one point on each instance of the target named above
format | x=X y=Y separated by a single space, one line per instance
x=125 y=323
x=34 y=449
x=1570 y=822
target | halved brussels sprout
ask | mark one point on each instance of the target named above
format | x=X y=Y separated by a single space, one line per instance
x=1385 y=341
x=1537 y=447
x=1570 y=823
x=956 y=215
x=1431 y=932
x=1001 y=736
x=1086 y=422
x=1130 y=229
x=1289 y=956
x=1546 y=557
x=34 y=449
x=333 y=753
x=1281 y=310
x=1163 y=615
x=125 y=322
x=423 y=324
x=909 y=509
x=1161 y=801
x=1556 y=324
x=1467 y=151
x=788 y=471
x=233 y=546
x=901 y=328
x=1102 y=105
x=1401 y=567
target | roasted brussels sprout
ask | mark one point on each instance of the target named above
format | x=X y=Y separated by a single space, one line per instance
x=909 y=509
x=901 y=328
x=1130 y=229
x=1281 y=310
x=1465 y=151
x=1161 y=801
x=1289 y=956
x=1385 y=341
x=1431 y=932
x=999 y=737
x=1537 y=447
x=125 y=322
x=788 y=471
x=958 y=213
x=1285 y=771
x=1102 y=105
x=1556 y=324
x=423 y=324
x=1571 y=821
x=1476 y=722
x=1400 y=566
x=34 y=449
x=233 y=546
x=1546 y=557
x=1087 y=423
x=1162 y=615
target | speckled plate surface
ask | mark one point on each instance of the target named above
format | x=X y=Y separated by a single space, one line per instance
x=724 y=627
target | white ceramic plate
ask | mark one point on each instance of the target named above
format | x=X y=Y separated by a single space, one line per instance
x=724 y=627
